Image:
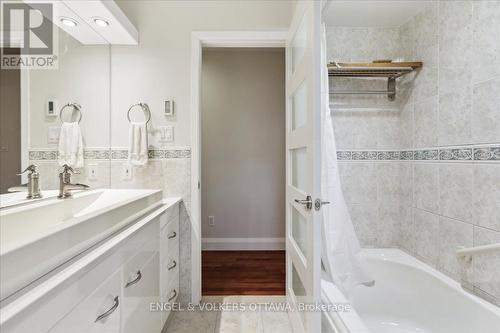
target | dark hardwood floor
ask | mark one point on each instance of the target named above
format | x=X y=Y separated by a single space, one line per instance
x=243 y=273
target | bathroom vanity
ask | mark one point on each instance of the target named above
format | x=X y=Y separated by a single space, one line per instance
x=106 y=261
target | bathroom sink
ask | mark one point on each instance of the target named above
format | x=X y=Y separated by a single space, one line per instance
x=38 y=237
x=19 y=198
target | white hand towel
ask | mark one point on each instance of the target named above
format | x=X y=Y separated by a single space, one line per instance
x=71 y=145
x=138 y=144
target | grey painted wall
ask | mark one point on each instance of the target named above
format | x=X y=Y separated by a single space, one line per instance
x=243 y=143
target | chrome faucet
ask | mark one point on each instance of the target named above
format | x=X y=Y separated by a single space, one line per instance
x=65 y=186
x=33 y=185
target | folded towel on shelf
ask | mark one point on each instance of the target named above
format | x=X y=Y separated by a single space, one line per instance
x=138 y=143
x=70 y=150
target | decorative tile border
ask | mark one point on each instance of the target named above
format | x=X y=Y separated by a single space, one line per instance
x=389 y=155
x=42 y=155
x=426 y=155
x=460 y=154
x=487 y=154
x=115 y=154
x=406 y=155
x=364 y=155
x=96 y=154
x=119 y=154
x=344 y=155
x=445 y=154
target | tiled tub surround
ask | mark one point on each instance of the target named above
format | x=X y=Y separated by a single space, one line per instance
x=423 y=173
x=167 y=169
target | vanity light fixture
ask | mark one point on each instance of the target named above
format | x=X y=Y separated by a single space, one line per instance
x=101 y=22
x=68 y=22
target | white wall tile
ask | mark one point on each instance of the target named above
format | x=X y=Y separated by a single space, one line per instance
x=486 y=63
x=453 y=234
x=426 y=123
x=455 y=191
x=407 y=240
x=359 y=182
x=485 y=112
x=426 y=235
x=487 y=266
x=426 y=185
x=486 y=196
x=365 y=220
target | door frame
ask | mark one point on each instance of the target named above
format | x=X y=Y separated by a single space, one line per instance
x=200 y=39
x=24 y=108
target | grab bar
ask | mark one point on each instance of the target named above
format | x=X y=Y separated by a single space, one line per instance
x=467 y=253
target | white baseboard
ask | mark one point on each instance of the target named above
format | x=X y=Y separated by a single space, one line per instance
x=243 y=244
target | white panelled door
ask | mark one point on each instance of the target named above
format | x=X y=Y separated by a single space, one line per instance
x=303 y=164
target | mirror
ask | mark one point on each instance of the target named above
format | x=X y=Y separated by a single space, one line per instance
x=35 y=131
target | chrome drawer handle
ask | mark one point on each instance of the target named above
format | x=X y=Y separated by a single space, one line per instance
x=134 y=281
x=173 y=265
x=109 y=312
x=175 y=295
x=173 y=235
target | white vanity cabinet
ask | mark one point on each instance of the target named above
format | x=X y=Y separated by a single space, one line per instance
x=112 y=288
x=103 y=303
x=140 y=290
x=169 y=259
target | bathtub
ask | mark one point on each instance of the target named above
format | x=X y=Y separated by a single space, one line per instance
x=408 y=296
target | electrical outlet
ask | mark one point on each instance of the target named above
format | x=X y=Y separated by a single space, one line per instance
x=127 y=172
x=211 y=221
x=53 y=134
x=92 y=171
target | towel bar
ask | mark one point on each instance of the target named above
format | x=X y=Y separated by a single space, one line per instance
x=144 y=108
x=75 y=106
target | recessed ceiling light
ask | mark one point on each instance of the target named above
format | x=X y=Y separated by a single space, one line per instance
x=68 y=22
x=101 y=22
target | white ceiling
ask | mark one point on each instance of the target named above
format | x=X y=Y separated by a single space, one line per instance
x=374 y=13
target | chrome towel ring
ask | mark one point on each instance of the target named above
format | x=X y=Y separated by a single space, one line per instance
x=75 y=106
x=144 y=108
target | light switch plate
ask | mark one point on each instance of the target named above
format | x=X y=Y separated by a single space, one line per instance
x=126 y=171
x=92 y=171
x=53 y=134
x=52 y=107
x=169 y=107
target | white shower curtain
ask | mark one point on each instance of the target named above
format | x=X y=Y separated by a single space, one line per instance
x=340 y=244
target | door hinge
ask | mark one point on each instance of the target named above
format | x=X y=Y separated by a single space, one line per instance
x=318 y=203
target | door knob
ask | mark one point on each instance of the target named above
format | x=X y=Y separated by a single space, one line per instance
x=308 y=203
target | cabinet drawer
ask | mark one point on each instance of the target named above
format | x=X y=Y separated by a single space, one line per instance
x=139 y=292
x=172 y=233
x=170 y=295
x=170 y=266
x=136 y=263
x=170 y=214
x=144 y=242
x=169 y=235
x=100 y=312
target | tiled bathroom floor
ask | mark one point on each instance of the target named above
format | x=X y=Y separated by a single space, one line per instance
x=231 y=321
